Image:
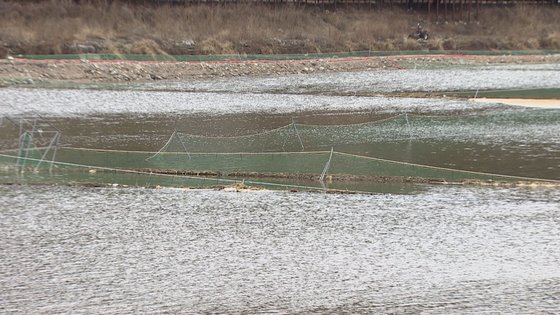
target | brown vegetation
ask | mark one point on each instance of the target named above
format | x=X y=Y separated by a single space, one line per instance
x=63 y=26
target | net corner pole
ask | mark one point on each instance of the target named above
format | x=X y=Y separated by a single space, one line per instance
x=297 y=134
x=23 y=154
x=408 y=125
x=51 y=144
x=56 y=145
x=327 y=166
x=184 y=146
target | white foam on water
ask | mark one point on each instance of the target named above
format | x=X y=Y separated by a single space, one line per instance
x=55 y=102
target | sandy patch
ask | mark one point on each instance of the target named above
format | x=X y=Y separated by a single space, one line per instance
x=527 y=102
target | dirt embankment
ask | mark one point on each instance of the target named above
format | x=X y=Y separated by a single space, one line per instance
x=17 y=71
x=71 y=27
x=80 y=27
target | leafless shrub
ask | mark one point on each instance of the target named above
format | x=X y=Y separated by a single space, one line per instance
x=59 y=26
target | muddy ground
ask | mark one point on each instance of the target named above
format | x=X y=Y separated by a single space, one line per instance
x=27 y=72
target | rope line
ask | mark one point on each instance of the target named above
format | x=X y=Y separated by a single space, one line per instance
x=446 y=169
x=302 y=125
x=371 y=122
x=233 y=137
x=190 y=153
x=351 y=125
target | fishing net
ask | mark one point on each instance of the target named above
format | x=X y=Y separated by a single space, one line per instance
x=292 y=151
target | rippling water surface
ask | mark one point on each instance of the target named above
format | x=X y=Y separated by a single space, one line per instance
x=75 y=103
x=112 y=250
x=448 y=79
x=272 y=94
x=435 y=250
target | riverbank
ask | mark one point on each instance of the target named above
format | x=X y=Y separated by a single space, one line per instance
x=70 y=27
x=33 y=72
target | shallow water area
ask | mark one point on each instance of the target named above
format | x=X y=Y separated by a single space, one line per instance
x=114 y=250
x=503 y=140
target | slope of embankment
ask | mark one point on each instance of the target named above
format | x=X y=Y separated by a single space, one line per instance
x=65 y=27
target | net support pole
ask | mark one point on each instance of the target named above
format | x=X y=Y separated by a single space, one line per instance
x=20 y=131
x=51 y=145
x=57 y=143
x=408 y=126
x=184 y=147
x=297 y=134
x=327 y=167
x=26 y=140
x=323 y=186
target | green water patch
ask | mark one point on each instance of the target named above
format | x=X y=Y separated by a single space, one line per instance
x=333 y=166
x=81 y=175
x=512 y=142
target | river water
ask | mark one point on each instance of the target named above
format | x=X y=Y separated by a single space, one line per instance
x=429 y=249
x=113 y=251
x=409 y=80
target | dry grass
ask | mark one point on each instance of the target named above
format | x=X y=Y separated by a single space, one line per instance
x=62 y=26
